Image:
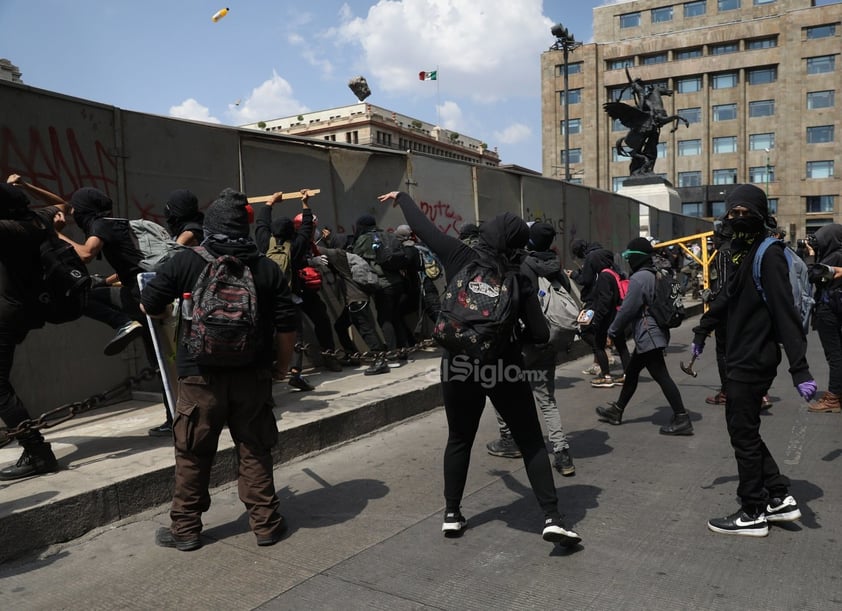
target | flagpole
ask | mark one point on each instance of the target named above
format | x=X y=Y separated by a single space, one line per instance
x=438 y=99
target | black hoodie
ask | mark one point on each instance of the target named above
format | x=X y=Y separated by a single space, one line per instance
x=276 y=311
x=828 y=252
x=597 y=259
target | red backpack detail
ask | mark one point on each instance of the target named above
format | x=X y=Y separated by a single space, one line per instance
x=311 y=278
x=622 y=284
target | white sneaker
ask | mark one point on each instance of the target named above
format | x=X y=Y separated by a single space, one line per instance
x=593 y=370
x=782 y=510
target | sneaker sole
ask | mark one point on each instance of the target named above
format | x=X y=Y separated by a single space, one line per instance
x=746 y=532
x=505 y=454
x=832 y=410
x=565 y=538
x=453 y=530
x=568 y=472
x=116 y=346
x=788 y=516
x=608 y=419
x=603 y=385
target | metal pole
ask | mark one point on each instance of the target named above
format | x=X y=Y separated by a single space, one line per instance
x=566 y=116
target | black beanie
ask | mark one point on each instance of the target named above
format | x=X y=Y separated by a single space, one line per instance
x=577 y=248
x=366 y=222
x=541 y=236
x=639 y=253
x=181 y=204
x=227 y=215
x=13 y=201
x=282 y=228
x=751 y=197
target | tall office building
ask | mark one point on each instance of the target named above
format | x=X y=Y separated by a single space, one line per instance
x=756 y=79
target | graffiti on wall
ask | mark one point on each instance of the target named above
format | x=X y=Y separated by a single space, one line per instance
x=443 y=215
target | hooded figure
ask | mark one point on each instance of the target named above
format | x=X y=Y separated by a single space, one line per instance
x=182 y=214
x=503 y=236
x=596 y=258
x=469 y=233
x=226 y=226
x=827 y=315
x=14 y=204
x=88 y=205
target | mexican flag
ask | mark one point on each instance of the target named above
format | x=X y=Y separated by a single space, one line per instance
x=427 y=76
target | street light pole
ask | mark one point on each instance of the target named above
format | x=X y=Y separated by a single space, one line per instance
x=565 y=42
x=768 y=167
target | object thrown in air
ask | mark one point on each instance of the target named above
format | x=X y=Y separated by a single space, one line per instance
x=219 y=14
x=360 y=87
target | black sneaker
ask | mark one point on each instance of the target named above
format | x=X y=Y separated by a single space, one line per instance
x=613 y=414
x=331 y=362
x=296 y=380
x=377 y=367
x=162 y=430
x=277 y=535
x=556 y=532
x=563 y=463
x=782 y=509
x=680 y=425
x=124 y=337
x=454 y=524
x=505 y=447
x=164 y=538
x=35 y=460
x=740 y=523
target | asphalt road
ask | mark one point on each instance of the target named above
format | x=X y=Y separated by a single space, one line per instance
x=365 y=523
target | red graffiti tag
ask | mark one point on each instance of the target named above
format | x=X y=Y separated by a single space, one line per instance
x=443 y=216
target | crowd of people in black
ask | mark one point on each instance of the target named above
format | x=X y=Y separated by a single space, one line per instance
x=380 y=281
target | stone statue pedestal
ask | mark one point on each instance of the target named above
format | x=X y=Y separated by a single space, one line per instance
x=653 y=191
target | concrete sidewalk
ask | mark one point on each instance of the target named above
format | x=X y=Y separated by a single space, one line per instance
x=112 y=469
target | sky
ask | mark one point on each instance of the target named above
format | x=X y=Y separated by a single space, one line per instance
x=268 y=58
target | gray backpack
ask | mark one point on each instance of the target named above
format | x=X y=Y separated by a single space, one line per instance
x=154 y=242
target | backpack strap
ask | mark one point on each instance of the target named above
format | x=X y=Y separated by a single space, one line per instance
x=758 y=259
x=203 y=252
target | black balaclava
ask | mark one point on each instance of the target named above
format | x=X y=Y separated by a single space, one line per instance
x=365 y=223
x=14 y=203
x=503 y=235
x=227 y=216
x=639 y=253
x=541 y=236
x=468 y=231
x=754 y=199
x=282 y=228
x=89 y=204
x=182 y=207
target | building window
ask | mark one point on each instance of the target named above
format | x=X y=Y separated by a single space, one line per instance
x=820 y=99
x=660 y=15
x=619 y=64
x=819 y=203
x=728 y=47
x=773 y=205
x=687 y=53
x=572 y=68
x=692 y=209
x=662 y=150
x=695 y=9
x=726 y=144
x=761 y=108
x=575 y=156
x=688 y=85
x=655 y=58
x=693 y=115
x=727 y=5
x=617 y=182
x=619 y=94
x=821 y=64
x=761 y=142
x=617 y=126
x=761 y=174
x=724 y=80
x=686 y=148
x=574 y=96
x=762 y=43
x=761 y=2
x=630 y=20
x=717 y=209
x=820 y=169
x=820 y=31
x=616 y=157
x=725 y=112
x=575 y=126
x=725 y=177
x=762 y=76
x=819 y=134
x=690 y=179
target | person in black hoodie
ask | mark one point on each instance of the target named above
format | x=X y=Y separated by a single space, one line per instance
x=211 y=397
x=595 y=259
x=827 y=316
x=184 y=220
x=539 y=359
x=464 y=399
x=756 y=329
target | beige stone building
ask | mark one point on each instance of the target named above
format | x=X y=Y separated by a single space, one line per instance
x=9 y=72
x=756 y=79
x=369 y=125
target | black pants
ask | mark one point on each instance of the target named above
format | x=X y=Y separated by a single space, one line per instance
x=387 y=302
x=829 y=327
x=316 y=310
x=720 y=333
x=464 y=400
x=653 y=361
x=759 y=475
x=12 y=411
x=597 y=339
x=359 y=314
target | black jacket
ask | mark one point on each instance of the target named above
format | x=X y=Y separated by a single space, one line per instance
x=276 y=311
x=828 y=252
x=597 y=258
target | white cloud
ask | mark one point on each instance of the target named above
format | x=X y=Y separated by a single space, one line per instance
x=191 y=109
x=514 y=133
x=451 y=116
x=272 y=99
x=487 y=50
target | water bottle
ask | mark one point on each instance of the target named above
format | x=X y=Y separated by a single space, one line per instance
x=375 y=242
x=187 y=306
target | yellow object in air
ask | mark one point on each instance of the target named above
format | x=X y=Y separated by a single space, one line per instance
x=219 y=14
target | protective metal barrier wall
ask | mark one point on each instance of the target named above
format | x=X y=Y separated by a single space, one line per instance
x=62 y=143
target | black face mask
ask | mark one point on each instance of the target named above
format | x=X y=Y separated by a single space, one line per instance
x=746 y=225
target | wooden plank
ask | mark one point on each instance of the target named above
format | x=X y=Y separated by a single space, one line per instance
x=260 y=199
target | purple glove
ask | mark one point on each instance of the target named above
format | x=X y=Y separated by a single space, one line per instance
x=696 y=349
x=807 y=389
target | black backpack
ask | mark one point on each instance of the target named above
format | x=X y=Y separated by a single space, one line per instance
x=62 y=292
x=388 y=251
x=479 y=311
x=666 y=308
